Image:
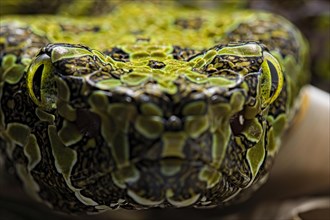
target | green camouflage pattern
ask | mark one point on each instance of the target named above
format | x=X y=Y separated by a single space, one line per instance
x=148 y=106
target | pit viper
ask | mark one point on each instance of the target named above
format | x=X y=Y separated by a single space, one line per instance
x=147 y=106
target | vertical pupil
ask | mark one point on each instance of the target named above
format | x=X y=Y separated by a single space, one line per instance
x=37 y=82
x=274 y=75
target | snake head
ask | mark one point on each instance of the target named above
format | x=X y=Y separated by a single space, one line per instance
x=151 y=129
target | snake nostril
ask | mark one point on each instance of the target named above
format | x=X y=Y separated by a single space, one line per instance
x=174 y=123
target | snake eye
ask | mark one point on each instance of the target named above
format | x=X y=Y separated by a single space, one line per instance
x=271 y=79
x=40 y=82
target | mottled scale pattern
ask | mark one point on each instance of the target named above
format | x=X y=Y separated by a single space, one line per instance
x=147 y=106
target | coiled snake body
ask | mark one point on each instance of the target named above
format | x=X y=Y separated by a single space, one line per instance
x=147 y=107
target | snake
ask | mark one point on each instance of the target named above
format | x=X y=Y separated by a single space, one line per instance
x=147 y=106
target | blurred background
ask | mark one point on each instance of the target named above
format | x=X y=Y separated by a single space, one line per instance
x=313 y=19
